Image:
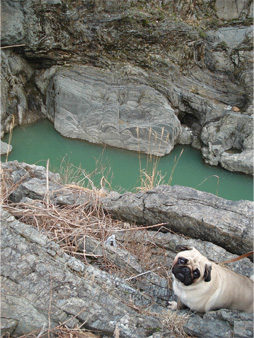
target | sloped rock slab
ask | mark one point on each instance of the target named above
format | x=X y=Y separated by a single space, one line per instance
x=39 y=280
x=193 y=213
x=149 y=282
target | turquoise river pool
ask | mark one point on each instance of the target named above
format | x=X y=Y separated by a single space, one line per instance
x=38 y=142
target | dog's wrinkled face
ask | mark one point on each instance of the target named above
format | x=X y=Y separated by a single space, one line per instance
x=190 y=267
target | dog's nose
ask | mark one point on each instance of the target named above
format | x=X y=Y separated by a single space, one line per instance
x=186 y=271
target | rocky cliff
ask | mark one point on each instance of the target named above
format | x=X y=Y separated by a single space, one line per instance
x=141 y=75
x=69 y=269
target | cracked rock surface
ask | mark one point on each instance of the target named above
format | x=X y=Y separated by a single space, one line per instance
x=191 y=212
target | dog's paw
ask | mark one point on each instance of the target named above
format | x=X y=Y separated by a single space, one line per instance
x=172 y=306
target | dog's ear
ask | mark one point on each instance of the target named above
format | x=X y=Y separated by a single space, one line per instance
x=207 y=274
x=180 y=248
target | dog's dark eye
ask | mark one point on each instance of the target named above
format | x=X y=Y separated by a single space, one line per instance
x=196 y=273
x=182 y=260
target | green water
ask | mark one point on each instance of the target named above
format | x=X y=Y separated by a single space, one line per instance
x=38 y=142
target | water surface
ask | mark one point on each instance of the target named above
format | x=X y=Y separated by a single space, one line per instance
x=38 y=142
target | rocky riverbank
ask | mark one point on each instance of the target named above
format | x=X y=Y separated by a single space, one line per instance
x=68 y=265
x=136 y=75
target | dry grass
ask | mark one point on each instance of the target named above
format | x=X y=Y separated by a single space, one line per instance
x=151 y=256
x=71 y=174
x=151 y=176
x=65 y=224
x=175 y=321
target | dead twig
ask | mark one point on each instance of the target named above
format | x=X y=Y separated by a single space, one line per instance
x=12 y=46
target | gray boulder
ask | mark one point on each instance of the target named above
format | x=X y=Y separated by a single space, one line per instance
x=23 y=181
x=101 y=107
x=229 y=141
x=227 y=51
x=227 y=48
x=26 y=183
x=241 y=162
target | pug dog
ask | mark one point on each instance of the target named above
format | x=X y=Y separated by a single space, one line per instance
x=202 y=285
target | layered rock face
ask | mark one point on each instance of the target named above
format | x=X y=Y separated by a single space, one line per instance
x=99 y=106
x=102 y=69
x=229 y=140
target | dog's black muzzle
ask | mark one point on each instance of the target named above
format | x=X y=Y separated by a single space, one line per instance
x=183 y=274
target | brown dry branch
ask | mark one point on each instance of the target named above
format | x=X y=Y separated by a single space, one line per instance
x=12 y=46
